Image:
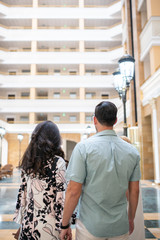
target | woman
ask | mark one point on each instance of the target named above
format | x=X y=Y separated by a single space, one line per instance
x=41 y=195
x=138 y=233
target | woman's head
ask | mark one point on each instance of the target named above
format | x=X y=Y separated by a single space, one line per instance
x=44 y=145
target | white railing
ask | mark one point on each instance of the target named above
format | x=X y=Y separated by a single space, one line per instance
x=49 y=105
x=53 y=81
x=59 y=57
x=59 y=34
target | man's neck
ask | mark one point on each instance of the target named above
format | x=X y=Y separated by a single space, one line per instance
x=103 y=128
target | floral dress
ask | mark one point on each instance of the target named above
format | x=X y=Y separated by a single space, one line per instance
x=40 y=203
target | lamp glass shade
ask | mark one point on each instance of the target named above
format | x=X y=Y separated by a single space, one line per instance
x=88 y=129
x=126 y=65
x=20 y=137
x=2 y=131
x=119 y=82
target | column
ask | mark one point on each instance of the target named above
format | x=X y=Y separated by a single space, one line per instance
x=34 y=46
x=81 y=3
x=35 y=3
x=154 y=58
x=153 y=8
x=82 y=97
x=81 y=46
x=155 y=142
x=32 y=118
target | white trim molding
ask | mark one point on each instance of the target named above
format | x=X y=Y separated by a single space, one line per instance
x=151 y=88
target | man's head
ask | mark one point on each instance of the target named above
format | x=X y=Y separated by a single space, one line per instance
x=106 y=113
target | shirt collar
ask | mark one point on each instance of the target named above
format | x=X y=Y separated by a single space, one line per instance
x=107 y=133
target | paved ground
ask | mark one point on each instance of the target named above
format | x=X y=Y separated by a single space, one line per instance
x=8 y=194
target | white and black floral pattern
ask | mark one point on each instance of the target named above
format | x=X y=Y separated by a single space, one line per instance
x=40 y=203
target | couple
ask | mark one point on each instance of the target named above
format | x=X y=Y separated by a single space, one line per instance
x=100 y=171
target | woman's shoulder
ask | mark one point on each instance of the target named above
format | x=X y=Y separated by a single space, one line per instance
x=57 y=162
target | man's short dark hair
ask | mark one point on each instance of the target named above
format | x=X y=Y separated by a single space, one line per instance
x=106 y=113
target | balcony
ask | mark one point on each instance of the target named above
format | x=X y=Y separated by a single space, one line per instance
x=52 y=81
x=50 y=105
x=65 y=34
x=150 y=36
x=62 y=58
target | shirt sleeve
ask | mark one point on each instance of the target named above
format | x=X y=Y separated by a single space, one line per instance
x=76 y=170
x=21 y=201
x=136 y=175
x=60 y=193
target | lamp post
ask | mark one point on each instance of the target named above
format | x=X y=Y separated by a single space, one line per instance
x=88 y=130
x=20 y=138
x=2 y=133
x=122 y=81
x=120 y=86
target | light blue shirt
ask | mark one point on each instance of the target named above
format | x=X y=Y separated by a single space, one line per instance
x=104 y=164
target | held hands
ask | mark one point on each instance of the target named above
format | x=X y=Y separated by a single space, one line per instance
x=131 y=226
x=16 y=235
x=66 y=234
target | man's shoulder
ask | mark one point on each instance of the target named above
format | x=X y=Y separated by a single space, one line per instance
x=129 y=148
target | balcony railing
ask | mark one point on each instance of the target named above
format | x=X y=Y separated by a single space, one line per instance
x=15 y=27
x=52 y=73
x=61 y=49
x=58 y=6
x=59 y=98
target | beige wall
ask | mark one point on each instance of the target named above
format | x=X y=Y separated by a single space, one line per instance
x=13 y=147
x=153 y=8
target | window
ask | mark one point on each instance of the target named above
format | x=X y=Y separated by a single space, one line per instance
x=105 y=96
x=24 y=118
x=56 y=118
x=42 y=117
x=90 y=71
x=11 y=96
x=10 y=120
x=56 y=95
x=25 y=94
x=73 y=118
x=42 y=93
x=72 y=72
x=12 y=72
x=90 y=95
x=104 y=72
x=57 y=72
x=88 y=118
x=73 y=94
x=25 y=70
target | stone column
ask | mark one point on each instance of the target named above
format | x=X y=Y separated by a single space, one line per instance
x=155 y=142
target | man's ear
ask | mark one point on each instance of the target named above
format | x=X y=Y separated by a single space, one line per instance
x=95 y=120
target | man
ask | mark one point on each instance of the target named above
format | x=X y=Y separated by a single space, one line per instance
x=101 y=169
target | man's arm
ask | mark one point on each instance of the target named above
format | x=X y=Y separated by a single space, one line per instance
x=73 y=194
x=133 y=202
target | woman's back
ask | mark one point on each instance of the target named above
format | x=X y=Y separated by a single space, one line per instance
x=41 y=195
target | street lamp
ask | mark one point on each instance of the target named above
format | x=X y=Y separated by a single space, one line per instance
x=126 y=65
x=2 y=133
x=88 y=130
x=122 y=81
x=120 y=86
x=20 y=138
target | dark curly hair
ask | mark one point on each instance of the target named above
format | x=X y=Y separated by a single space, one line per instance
x=44 y=145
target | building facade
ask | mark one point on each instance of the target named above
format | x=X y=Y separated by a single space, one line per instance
x=56 y=63
x=142 y=18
